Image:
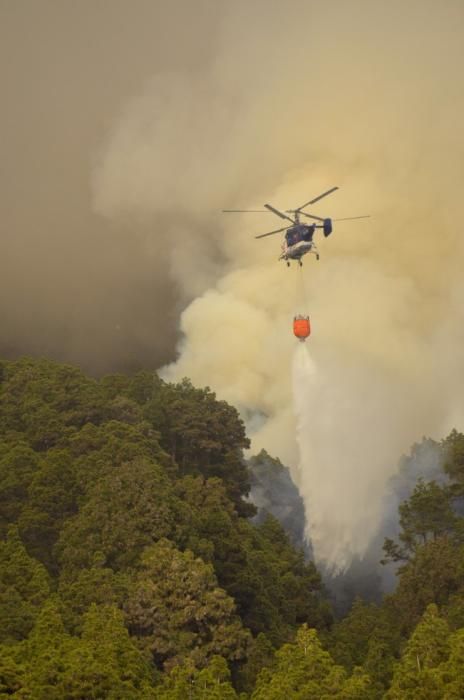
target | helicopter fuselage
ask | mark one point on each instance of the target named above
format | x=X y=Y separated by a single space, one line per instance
x=297 y=242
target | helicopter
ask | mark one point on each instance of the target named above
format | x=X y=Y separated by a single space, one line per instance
x=298 y=239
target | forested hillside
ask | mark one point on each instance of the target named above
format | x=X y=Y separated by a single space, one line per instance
x=132 y=564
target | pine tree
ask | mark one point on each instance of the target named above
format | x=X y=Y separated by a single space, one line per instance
x=416 y=673
x=24 y=586
x=304 y=671
x=178 y=611
x=185 y=682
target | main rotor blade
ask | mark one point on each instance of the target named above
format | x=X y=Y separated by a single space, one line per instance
x=230 y=211
x=262 y=235
x=311 y=216
x=279 y=213
x=316 y=199
x=350 y=218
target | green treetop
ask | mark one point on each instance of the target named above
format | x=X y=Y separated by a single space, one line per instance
x=178 y=611
x=24 y=586
x=415 y=676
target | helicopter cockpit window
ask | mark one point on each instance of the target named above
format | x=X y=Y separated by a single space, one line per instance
x=291 y=236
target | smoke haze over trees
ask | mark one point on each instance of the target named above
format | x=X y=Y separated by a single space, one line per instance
x=125 y=132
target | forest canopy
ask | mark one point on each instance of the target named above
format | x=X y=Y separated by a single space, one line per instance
x=132 y=563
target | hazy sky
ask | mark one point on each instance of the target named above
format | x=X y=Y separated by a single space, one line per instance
x=127 y=126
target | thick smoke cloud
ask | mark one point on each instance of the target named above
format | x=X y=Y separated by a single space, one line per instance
x=284 y=102
x=74 y=285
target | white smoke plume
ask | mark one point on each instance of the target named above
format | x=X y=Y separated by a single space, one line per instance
x=300 y=98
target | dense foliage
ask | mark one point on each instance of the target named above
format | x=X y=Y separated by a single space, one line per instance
x=132 y=563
